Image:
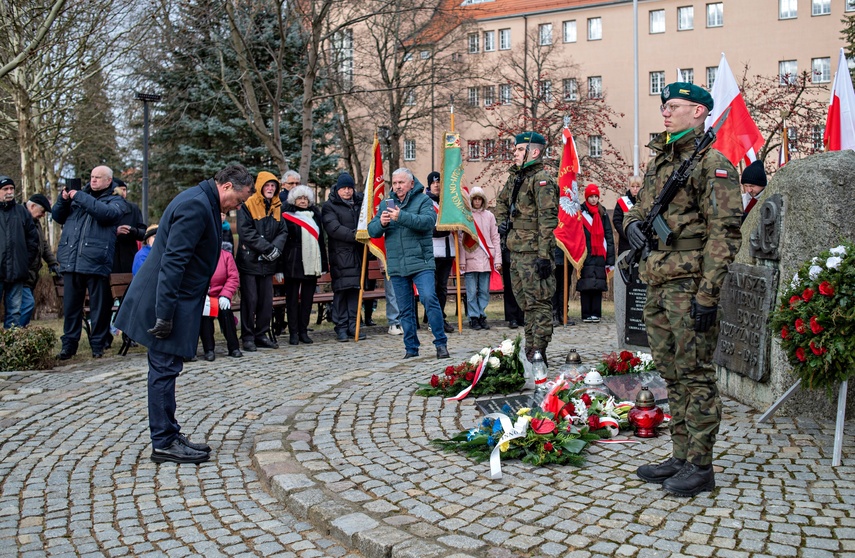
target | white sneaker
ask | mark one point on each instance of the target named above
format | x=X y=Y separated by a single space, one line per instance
x=395 y=330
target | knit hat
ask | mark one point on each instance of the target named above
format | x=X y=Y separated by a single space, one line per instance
x=41 y=200
x=5 y=181
x=431 y=177
x=591 y=190
x=150 y=232
x=754 y=174
x=344 y=181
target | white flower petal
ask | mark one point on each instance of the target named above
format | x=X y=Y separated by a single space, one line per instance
x=814 y=272
x=833 y=262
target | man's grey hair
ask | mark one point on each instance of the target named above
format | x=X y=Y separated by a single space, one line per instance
x=291 y=174
x=299 y=192
x=237 y=175
x=405 y=170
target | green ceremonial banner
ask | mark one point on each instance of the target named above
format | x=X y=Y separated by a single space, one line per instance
x=455 y=213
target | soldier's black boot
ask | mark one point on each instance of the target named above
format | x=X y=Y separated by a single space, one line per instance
x=691 y=480
x=661 y=472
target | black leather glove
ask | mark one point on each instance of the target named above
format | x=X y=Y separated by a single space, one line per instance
x=272 y=255
x=543 y=267
x=503 y=228
x=54 y=269
x=634 y=235
x=162 y=329
x=705 y=316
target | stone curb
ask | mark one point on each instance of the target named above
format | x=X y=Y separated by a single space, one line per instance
x=374 y=534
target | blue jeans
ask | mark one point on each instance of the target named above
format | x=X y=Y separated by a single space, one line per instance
x=163 y=369
x=477 y=293
x=28 y=305
x=424 y=282
x=392 y=313
x=12 y=294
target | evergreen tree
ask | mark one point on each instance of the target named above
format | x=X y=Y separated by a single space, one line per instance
x=93 y=133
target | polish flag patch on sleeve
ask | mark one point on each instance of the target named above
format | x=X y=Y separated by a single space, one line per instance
x=543 y=183
x=721 y=173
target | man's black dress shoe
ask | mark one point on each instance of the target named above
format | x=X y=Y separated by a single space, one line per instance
x=442 y=352
x=177 y=452
x=194 y=446
x=96 y=354
x=209 y=356
x=304 y=338
x=265 y=343
x=249 y=346
x=341 y=337
x=236 y=353
x=513 y=324
x=64 y=355
x=369 y=322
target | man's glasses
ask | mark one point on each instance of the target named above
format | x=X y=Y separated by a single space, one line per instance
x=672 y=107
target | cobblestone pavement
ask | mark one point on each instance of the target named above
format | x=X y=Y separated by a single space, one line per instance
x=323 y=450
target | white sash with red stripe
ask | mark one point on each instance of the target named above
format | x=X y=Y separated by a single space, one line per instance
x=625 y=203
x=306 y=222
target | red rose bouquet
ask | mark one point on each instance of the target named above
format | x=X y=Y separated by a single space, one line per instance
x=625 y=362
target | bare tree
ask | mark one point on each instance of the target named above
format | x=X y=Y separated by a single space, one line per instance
x=14 y=12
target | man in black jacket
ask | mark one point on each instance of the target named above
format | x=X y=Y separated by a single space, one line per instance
x=38 y=206
x=171 y=285
x=86 y=247
x=19 y=245
x=131 y=230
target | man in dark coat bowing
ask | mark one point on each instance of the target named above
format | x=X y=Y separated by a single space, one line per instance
x=171 y=285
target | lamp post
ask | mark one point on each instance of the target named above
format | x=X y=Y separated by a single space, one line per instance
x=146 y=98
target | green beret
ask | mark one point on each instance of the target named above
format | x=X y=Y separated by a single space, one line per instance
x=688 y=91
x=530 y=137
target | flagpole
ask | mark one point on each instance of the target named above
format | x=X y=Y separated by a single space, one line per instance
x=566 y=284
x=361 y=290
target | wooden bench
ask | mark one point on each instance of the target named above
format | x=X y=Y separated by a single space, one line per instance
x=119 y=283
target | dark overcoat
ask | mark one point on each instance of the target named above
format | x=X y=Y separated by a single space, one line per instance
x=126 y=244
x=345 y=252
x=173 y=281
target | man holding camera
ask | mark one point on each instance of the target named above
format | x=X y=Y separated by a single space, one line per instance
x=527 y=214
x=88 y=217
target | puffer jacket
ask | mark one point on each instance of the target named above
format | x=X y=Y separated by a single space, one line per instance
x=258 y=237
x=345 y=252
x=292 y=258
x=19 y=242
x=225 y=280
x=409 y=240
x=88 y=241
x=478 y=260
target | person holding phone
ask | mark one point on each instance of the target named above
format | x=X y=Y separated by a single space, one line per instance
x=89 y=217
x=406 y=220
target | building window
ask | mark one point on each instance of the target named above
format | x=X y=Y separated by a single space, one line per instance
x=571 y=89
x=595 y=146
x=820 y=7
x=489 y=92
x=505 y=93
x=544 y=31
x=474 y=150
x=595 y=28
x=343 y=55
x=793 y=139
x=570 y=31
x=473 y=96
x=821 y=70
x=546 y=91
x=687 y=75
x=425 y=54
x=507 y=148
x=850 y=6
x=489 y=41
x=711 y=72
x=595 y=87
x=685 y=18
x=657 y=21
x=473 y=43
x=715 y=14
x=409 y=150
x=788 y=72
x=816 y=137
x=788 y=9
x=410 y=97
x=657 y=82
x=504 y=39
x=489 y=149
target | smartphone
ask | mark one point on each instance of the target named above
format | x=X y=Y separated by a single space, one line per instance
x=390 y=203
x=73 y=184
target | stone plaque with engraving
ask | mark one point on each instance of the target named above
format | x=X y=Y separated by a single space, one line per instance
x=494 y=404
x=746 y=301
x=636 y=296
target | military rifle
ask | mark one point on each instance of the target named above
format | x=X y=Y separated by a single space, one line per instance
x=654 y=224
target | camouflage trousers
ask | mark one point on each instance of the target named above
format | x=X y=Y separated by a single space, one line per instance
x=534 y=296
x=683 y=357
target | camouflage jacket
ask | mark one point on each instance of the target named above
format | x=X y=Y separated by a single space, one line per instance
x=709 y=208
x=536 y=210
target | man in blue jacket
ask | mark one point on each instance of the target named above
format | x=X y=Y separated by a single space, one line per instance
x=85 y=254
x=171 y=285
x=407 y=219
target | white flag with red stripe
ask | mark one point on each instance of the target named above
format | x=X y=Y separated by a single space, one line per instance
x=840 y=124
x=738 y=138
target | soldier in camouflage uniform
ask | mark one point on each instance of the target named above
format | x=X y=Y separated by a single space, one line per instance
x=527 y=214
x=684 y=282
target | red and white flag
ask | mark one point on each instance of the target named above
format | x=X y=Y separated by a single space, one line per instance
x=840 y=124
x=375 y=192
x=570 y=233
x=739 y=138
